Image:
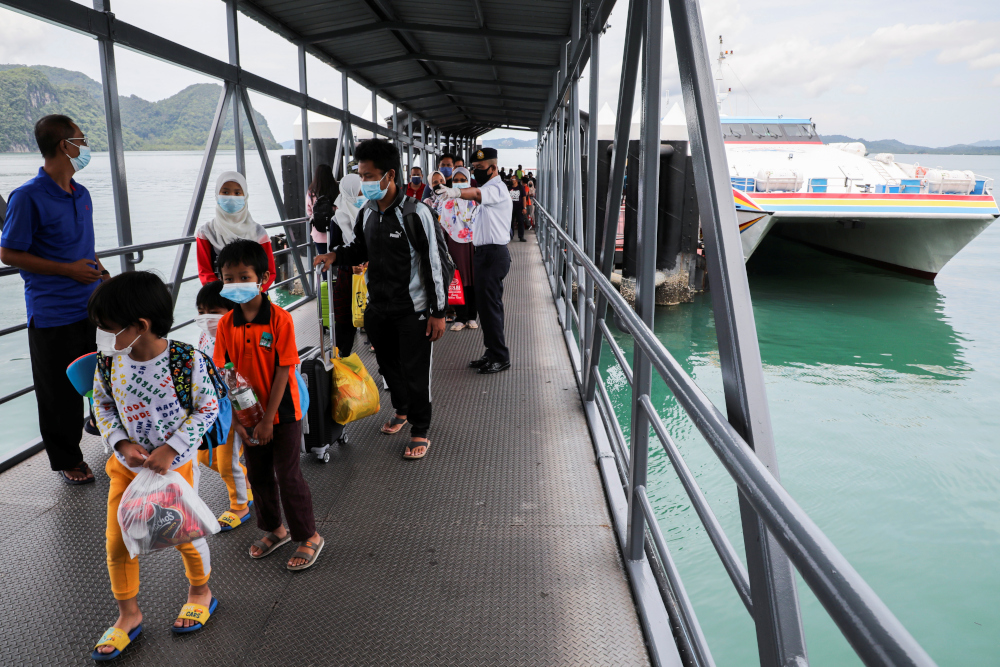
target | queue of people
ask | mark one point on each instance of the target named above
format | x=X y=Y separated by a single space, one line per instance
x=156 y=399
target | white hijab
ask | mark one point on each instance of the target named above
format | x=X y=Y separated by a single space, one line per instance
x=225 y=228
x=347 y=205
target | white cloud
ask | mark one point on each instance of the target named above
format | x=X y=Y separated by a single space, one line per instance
x=986 y=62
x=19 y=37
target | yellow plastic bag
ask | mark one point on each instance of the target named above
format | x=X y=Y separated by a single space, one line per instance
x=360 y=299
x=354 y=394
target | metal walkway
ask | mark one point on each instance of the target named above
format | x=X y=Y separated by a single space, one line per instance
x=496 y=549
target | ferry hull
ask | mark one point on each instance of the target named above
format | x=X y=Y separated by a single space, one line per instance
x=754 y=226
x=919 y=246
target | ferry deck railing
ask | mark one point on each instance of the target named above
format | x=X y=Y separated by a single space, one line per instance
x=779 y=537
x=301 y=254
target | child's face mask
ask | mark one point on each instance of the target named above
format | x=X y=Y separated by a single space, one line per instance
x=208 y=322
x=240 y=292
x=106 y=343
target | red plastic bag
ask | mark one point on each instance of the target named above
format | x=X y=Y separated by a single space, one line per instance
x=160 y=511
x=456 y=294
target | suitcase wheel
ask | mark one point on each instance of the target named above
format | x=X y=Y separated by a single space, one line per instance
x=326 y=457
x=342 y=440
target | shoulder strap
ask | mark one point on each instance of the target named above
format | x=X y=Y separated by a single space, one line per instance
x=181 y=363
x=413 y=227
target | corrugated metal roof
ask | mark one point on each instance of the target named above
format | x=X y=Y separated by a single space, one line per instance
x=465 y=66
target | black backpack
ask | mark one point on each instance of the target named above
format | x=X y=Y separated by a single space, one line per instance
x=322 y=214
x=415 y=232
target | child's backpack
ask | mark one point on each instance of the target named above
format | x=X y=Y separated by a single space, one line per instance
x=415 y=233
x=182 y=358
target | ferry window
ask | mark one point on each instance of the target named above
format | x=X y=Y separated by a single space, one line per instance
x=733 y=130
x=766 y=131
x=804 y=131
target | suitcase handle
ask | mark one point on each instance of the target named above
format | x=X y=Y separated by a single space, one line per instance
x=325 y=354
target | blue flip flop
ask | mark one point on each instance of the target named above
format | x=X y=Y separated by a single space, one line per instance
x=114 y=637
x=195 y=612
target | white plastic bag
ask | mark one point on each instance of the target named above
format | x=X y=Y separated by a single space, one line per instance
x=160 y=511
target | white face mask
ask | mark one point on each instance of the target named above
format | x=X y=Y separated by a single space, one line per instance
x=106 y=343
x=209 y=323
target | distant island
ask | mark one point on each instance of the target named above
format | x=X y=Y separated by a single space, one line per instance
x=509 y=142
x=179 y=122
x=893 y=146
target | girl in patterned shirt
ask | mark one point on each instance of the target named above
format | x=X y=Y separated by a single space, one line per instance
x=142 y=420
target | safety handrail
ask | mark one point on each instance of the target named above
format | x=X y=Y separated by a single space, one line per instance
x=866 y=622
x=138 y=249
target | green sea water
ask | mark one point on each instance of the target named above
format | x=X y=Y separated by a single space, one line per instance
x=884 y=394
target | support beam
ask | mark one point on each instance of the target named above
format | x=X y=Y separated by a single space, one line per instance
x=116 y=147
x=198 y=196
x=780 y=638
x=232 y=32
x=477 y=96
x=425 y=57
x=432 y=28
x=304 y=88
x=459 y=79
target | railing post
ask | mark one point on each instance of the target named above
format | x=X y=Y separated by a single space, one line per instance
x=645 y=302
x=232 y=30
x=780 y=638
x=591 y=215
x=623 y=124
x=116 y=147
x=198 y=196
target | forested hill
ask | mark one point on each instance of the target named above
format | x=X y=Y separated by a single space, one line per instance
x=893 y=146
x=179 y=122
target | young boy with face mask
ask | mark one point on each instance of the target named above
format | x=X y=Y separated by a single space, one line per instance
x=258 y=337
x=224 y=459
x=144 y=417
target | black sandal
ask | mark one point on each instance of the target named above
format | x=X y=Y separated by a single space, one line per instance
x=393 y=426
x=79 y=467
x=268 y=550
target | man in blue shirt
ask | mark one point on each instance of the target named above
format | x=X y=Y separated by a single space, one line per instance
x=49 y=235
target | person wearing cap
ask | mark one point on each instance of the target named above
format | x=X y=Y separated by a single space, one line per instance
x=491 y=258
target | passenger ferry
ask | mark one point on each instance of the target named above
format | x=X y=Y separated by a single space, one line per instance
x=835 y=197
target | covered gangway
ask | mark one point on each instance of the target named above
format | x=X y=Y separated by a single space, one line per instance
x=527 y=536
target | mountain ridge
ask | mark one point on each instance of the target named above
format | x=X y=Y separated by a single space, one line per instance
x=179 y=122
x=894 y=146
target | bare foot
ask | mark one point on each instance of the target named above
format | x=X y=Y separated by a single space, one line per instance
x=196 y=595
x=280 y=532
x=129 y=618
x=305 y=551
x=83 y=472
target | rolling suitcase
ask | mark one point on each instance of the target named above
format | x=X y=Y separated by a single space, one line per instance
x=319 y=430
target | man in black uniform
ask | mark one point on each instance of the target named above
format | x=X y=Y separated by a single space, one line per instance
x=518 y=193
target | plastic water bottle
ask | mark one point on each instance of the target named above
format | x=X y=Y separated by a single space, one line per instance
x=248 y=409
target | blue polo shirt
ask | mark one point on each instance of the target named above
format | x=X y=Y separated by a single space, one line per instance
x=48 y=222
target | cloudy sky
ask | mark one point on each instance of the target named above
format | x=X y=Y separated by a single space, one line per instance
x=919 y=71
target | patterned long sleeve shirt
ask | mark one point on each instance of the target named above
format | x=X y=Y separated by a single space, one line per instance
x=144 y=407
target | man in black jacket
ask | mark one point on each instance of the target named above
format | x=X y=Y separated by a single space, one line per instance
x=407 y=290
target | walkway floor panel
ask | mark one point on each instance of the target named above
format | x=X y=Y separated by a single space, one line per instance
x=496 y=549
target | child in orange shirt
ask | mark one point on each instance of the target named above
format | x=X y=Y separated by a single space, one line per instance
x=258 y=338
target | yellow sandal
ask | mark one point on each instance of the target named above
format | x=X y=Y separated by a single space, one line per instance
x=195 y=612
x=114 y=637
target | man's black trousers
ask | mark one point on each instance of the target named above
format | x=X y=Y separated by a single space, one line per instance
x=490 y=265
x=517 y=221
x=60 y=407
x=403 y=352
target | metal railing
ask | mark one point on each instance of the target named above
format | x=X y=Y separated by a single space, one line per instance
x=870 y=627
x=136 y=253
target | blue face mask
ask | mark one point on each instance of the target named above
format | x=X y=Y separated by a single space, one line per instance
x=460 y=186
x=445 y=171
x=231 y=204
x=81 y=160
x=362 y=200
x=372 y=190
x=415 y=180
x=240 y=292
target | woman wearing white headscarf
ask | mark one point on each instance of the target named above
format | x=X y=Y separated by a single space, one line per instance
x=455 y=216
x=232 y=222
x=341 y=233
